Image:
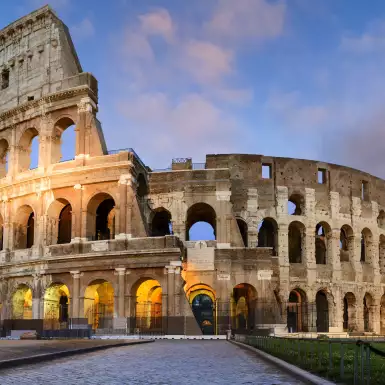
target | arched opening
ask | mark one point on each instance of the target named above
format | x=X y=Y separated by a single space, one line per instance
x=161 y=223
x=59 y=226
x=148 y=307
x=381 y=220
x=381 y=253
x=64 y=143
x=24 y=227
x=28 y=150
x=367 y=312
x=1 y=232
x=203 y=301
x=296 y=240
x=295 y=204
x=321 y=242
x=350 y=322
x=202 y=217
x=56 y=306
x=322 y=312
x=101 y=217
x=346 y=243
x=142 y=189
x=22 y=303
x=242 y=226
x=4 y=151
x=244 y=301
x=366 y=245
x=267 y=234
x=297 y=312
x=99 y=304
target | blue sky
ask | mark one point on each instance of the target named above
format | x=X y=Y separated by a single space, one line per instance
x=297 y=78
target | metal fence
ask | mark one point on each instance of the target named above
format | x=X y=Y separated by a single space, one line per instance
x=348 y=361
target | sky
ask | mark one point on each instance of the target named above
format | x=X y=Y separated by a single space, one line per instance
x=293 y=78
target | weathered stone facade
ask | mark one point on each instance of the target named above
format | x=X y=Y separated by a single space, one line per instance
x=103 y=238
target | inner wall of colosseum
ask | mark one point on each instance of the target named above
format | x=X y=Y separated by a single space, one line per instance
x=105 y=242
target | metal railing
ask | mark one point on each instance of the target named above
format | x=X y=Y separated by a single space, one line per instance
x=348 y=361
x=129 y=149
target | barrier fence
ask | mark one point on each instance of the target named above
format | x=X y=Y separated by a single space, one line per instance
x=353 y=362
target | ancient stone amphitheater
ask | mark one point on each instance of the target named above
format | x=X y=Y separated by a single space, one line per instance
x=102 y=241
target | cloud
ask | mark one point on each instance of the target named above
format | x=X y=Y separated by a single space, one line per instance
x=371 y=41
x=294 y=113
x=247 y=19
x=158 y=22
x=83 y=30
x=190 y=126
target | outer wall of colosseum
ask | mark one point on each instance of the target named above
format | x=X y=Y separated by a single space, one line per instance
x=102 y=240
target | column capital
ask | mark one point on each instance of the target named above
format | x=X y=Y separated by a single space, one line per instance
x=120 y=271
x=76 y=274
x=170 y=269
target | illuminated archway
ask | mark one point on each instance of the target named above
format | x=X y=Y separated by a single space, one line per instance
x=22 y=303
x=203 y=303
x=148 y=307
x=56 y=306
x=99 y=304
x=244 y=302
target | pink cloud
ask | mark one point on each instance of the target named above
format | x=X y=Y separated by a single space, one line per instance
x=158 y=22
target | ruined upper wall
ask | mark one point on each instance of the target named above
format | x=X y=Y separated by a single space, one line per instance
x=36 y=55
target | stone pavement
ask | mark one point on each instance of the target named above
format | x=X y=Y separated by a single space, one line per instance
x=162 y=363
x=25 y=349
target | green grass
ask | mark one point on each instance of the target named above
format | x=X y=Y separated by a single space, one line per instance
x=323 y=357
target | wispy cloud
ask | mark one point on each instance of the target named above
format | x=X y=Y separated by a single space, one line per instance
x=83 y=30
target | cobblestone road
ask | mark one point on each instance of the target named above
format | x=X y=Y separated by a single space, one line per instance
x=158 y=363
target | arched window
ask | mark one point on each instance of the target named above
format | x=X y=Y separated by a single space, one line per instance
x=321 y=243
x=242 y=226
x=346 y=243
x=24 y=228
x=267 y=234
x=296 y=239
x=161 y=223
x=31 y=230
x=1 y=232
x=65 y=225
x=201 y=223
x=101 y=217
x=4 y=151
x=64 y=144
x=366 y=245
x=297 y=312
x=295 y=205
x=28 y=152
x=381 y=219
x=322 y=312
x=142 y=189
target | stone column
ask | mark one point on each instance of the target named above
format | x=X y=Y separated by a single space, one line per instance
x=121 y=271
x=86 y=109
x=223 y=225
x=122 y=206
x=170 y=290
x=75 y=293
x=36 y=295
x=333 y=253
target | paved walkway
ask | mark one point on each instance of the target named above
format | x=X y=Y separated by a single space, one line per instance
x=161 y=363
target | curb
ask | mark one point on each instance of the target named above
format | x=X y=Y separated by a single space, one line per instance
x=295 y=371
x=6 y=364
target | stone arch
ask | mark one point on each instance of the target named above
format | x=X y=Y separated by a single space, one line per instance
x=381 y=220
x=296 y=239
x=148 y=296
x=297 y=311
x=101 y=217
x=322 y=244
x=161 y=223
x=268 y=234
x=366 y=245
x=25 y=153
x=296 y=204
x=346 y=243
x=4 y=152
x=56 y=305
x=368 y=310
x=64 y=126
x=200 y=212
x=59 y=226
x=22 y=302
x=99 y=303
x=243 y=229
x=349 y=312
x=244 y=306
x=323 y=311
x=24 y=227
x=202 y=299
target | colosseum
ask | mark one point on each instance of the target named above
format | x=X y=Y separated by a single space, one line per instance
x=102 y=242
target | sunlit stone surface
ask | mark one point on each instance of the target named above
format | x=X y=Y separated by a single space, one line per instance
x=162 y=362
